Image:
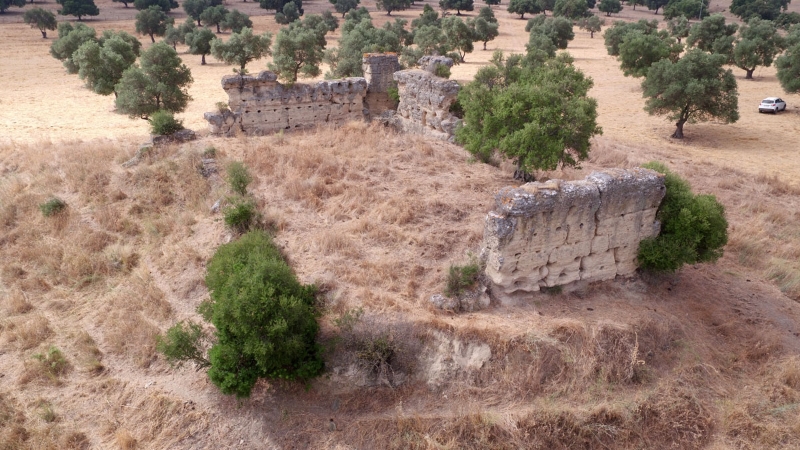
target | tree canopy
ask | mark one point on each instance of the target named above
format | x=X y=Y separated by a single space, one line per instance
x=695 y=88
x=235 y=21
x=788 y=64
x=690 y=9
x=678 y=27
x=523 y=7
x=458 y=35
x=360 y=36
x=199 y=42
x=291 y=11
x=610 y=7
x=763 y=9
x=78 y=8
x=614 y=35
x=153 y=22
x=484 y=30
x=40 y=18
x=165 y=5
x=556 y=29
x=537 y=114
x=393 y=5
x=5 y=4
x=458 y=5
x=298 y=49
x=102 y=62
x=264 y=318
x=214 y=16
x=194 y=8
x=242 y=48
x=758 y=44
x=344 y=6
x=638 y=51
x=571 y=9
x=713 y=35
x=592 y=24
x=158 y=83
x=70 y=38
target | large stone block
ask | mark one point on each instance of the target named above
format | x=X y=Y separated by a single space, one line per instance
x=559 y=232
x=425 y=101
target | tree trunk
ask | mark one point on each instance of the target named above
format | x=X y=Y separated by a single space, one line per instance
x=522 y=175
x=678 y=134
x=218 y=30
x=484 y=45
x=44 y=34
x=198 y=23
x=203 y=59
x=749 y=75
x=152 y=38
x=591 y=34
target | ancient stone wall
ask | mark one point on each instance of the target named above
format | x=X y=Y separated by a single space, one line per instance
x=425 y=101
x=378 y=70
x=558 y=232
x=260 y=105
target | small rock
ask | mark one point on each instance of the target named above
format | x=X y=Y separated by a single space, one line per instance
x=442 y=302
x=215 y=206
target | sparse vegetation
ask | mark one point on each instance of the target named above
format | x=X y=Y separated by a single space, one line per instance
x=441 y=70
x=240 y=214
x=185 y=342
x=53 y=364
x=462 y=278
x=52 y=206
x=238 y=177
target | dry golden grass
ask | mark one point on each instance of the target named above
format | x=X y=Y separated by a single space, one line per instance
x=707 y=357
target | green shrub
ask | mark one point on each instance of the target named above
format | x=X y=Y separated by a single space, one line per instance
x=461 y=278
x=53 y=362
x=238 y=177
x=184 y=342
x=222 y=107
x=164 y=123
x=265 y=318
x=240 y=214
x=441 y=71
x=53 y=205
x=693 y=227
x=394 y=94
x=209 y=152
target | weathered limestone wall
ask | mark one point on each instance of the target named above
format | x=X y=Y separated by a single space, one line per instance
x=260 y=105
x=425 y=101
x=558 y=232
x=378 y=70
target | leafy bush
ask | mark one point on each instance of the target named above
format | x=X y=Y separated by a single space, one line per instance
x=53 y=362
x=265 y=318
x=441 y=71
x=164 y=123
x=238 y=177
x=394 y=94
x=461 y=278
x=184 y=342
x=209 y=152
x=693 y=227
x=53 y=205
x=376 y=354
x=240 y=214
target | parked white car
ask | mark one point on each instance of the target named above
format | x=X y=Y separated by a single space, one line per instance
x=772 y=104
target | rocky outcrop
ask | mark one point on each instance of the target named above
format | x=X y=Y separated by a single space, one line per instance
x=425 y=101
x=260 y=105
x=559 y=232
x=378 y=70
x=428 y=63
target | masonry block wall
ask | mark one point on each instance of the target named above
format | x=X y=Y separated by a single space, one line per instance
x=425 y=101
x=558 y=232
x=260 y=105
x=378 y=70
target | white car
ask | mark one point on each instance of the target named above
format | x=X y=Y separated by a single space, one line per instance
x=772 y=104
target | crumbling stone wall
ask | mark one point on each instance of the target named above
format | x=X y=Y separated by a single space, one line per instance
x=260 y=105
x=378 y=70
x=425 y=101
x=559 y=232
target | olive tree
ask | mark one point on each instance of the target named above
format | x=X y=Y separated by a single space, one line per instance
x=199 y=42
x=678 y=27
x=613 y=36
x=214 y=16
x=758 y=44
x=78 y=8
x=788 y=64
x=592 y=24
x=393 y=5
x=610 y=7
x=540 y=116
x=177 y=35
x=483 y=30
x=458 y=5
x=638 y=51
x=70 y=38
x=159 y=82
x=242 y=48
x=695 y=88
x=523 y=7
x=42 y=19
x=458 y=36
x=713 y=35
x=153 y=22
x=194 y=8
x=5 y=4
x=571 y=9
x=235 y=21
x=344 y=6
x=297 y=51
x=763 y=9
x=101 y=63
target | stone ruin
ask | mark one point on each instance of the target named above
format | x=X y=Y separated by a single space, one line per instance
x=261 y=105
x=425 y=102
x=378 y=69
x=555 y=233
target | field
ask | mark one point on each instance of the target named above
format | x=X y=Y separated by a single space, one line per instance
x=706 y=358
